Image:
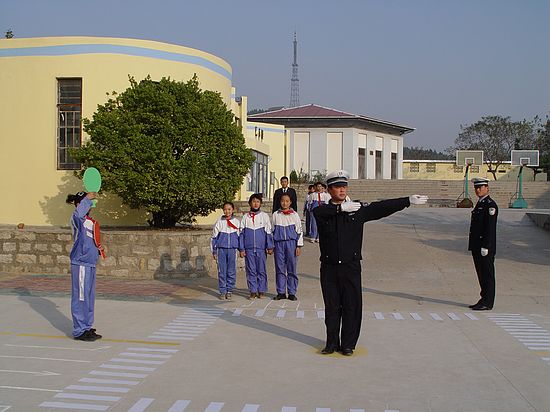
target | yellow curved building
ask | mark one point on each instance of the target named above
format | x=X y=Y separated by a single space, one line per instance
x=47 y=85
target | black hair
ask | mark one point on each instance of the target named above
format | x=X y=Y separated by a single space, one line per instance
x=311 y=186
x=76 y=198
x=255 y=196
x=284 y=177
x=230 y=204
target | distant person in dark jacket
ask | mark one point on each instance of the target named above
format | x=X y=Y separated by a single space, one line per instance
x=284 y=189
x=482 y=243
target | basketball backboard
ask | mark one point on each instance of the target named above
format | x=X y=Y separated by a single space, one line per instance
x=525 y=158
x=469 y=157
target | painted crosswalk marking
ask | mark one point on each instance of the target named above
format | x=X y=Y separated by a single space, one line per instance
x=250 y=408
x=77 y=406
x=281 y=313
x=416 y=316
x=214 y=407
x=300 y=314
x=260 y=312
x=108 y=381
x=141 y=405
x=86 y=397
x=179 y=406
x=453 y=316
x=321 y=314
x=527 y=332
x=398 y=316
x=97 y=388
x=378 y=315
x=435 y=316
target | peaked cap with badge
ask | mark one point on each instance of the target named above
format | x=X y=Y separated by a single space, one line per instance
x=338 y=178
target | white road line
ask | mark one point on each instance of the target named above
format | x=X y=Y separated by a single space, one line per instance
x=537 y=344
x=322 y=409
x=300 y=314
x=127 y=368
x=4 y=408
x=81 y=406
x=237 y=312
x=108 y=381
x=180 y=332
x=189 y=334
x=97 y=388
x=56 y=347
x=471 y=316
x=152 y=350
x=52 y=359
x=356 y=410
x=415 y=316
x=139 y=361
x=281 y=313
x=453 y=316
x=534 y=340
x=398 y=316
x=435 y=316
x=288 y=409
x=141 y=405
x=260 y=312
x=120 y=374
x=35 y=373
x=145 y=355
x=170 y=337
x=544 y=348
x=546 y=359
x=378 y=315
x=192 y=323
x=391 y=410
x=23 y=388
x=250 y=408
x=214 y=407
x=85 y=397
x=321 y=314
x=184 y=326
x=179 y=406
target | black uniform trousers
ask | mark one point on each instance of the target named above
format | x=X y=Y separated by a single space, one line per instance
x=485 y=269
x=341 y=287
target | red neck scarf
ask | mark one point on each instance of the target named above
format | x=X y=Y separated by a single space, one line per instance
x=230 y=224
x=287 y=212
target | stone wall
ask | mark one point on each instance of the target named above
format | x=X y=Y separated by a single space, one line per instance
x=140 y=254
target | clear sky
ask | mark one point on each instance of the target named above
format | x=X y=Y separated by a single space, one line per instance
x=429 y=64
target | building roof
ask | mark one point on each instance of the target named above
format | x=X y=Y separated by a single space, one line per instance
x=312 y=115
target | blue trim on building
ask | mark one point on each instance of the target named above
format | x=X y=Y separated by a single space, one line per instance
x=74 y=49
x=267 y=129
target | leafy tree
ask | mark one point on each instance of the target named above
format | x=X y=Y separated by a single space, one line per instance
x=496 y=136
x=419 y=153
x=168 y=147
x=543 y=143
x=9 y=34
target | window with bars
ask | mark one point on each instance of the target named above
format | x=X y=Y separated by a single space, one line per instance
x=430 y=167
x=69 y=121
x=474 y=169
x=458 y=169
x=258 y=173
x=413 y=168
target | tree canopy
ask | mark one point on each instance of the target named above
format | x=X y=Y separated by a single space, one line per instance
x=419 y=153
x=168 y=147
x=496 y=136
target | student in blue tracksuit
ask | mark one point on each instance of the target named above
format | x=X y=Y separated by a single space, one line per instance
x=287 y=236
x=314 y=200
x=224 y=245
x=84 y=255
x=255 y=240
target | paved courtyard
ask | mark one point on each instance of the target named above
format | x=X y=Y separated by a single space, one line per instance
x=173 y=346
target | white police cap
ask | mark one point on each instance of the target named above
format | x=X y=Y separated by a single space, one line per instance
x=480 y=181
x=338 y=178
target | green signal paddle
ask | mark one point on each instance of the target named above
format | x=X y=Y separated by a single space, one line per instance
x=92 y=181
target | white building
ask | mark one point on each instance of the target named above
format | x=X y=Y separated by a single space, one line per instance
x=321 y=139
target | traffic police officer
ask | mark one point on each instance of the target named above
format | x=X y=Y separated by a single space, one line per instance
x=340 y=225
x=482 y=243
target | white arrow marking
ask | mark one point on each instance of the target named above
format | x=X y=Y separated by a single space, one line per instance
x=54 y=359
x=35 y=373
x=57 y=347
x=29 y=389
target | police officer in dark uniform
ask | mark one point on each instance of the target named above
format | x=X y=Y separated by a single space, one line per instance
x=482 y=243
x=340 y=225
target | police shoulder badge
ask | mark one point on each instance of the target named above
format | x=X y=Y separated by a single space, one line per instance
x=492 y=211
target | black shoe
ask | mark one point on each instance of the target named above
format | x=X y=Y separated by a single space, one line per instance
x=92 y=332
x=292 y=297
x=86 y=337
x=481 y=306
x=347 y=351
x=475 y=304
x=327 y=350
x=279 y=296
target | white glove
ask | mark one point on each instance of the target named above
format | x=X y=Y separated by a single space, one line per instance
x=484 y=252
x=418 y=199
x=350 y=206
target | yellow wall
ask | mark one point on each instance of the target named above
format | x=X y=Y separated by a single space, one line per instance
x=445 y=170
x=33 y=190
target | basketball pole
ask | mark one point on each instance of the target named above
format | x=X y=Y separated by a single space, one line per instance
x=520 y=202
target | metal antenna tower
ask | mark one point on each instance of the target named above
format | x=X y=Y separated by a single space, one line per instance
x=294 y=85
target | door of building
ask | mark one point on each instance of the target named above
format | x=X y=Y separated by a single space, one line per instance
x=361 y=163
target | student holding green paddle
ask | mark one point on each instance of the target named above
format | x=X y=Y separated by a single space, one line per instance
x=84 y=254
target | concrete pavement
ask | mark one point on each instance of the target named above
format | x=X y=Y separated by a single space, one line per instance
x=173 y=346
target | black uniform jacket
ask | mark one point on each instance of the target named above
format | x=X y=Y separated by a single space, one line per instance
x=341 y=234
x=483 y=227
x=277 y=199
